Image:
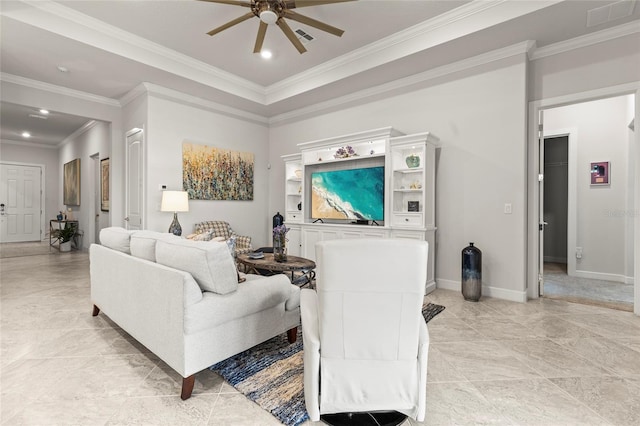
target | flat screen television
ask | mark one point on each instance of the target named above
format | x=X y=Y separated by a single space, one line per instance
x=356 y=194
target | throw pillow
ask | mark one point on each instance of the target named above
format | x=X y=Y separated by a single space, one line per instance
x=116 y=238
x=143 y=243
x=205 y=236
x=208 y=262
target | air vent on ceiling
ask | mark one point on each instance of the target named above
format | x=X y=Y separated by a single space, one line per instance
x=610 y=12
x=41 y=117
x=304 y=36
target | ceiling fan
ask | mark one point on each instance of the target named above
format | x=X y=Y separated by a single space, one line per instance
x=275 y=12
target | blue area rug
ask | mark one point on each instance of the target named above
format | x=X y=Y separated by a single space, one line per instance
x=271 y=374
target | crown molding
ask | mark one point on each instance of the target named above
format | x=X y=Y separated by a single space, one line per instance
x=59 y=90
x=496 y=55
x=601 y=36
x=28 y=144
x=75 y=25
x=461 y=21
x=85 y=128
x=189 y=100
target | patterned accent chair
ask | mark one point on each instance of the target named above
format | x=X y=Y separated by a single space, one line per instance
x=219 y=228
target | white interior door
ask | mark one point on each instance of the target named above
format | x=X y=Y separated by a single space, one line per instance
x=134 y=180
x=20 y=203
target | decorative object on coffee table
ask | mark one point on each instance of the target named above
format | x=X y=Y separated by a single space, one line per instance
x=471 y=273
x=280 y=243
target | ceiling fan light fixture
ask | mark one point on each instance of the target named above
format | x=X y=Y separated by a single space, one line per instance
x=268 y=17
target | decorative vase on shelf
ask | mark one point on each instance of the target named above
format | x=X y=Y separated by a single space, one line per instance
x=471 y=273
x=412 y=161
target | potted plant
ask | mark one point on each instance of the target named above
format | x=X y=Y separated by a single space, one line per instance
x=65 y=235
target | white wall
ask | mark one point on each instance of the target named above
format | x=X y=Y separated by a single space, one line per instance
x=604 y=64
x=47 y=156
x=169 y=125
x=96 y=139
x=602 y=135
x=480 y=118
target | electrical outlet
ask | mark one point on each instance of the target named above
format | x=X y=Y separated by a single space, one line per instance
x=578 y=252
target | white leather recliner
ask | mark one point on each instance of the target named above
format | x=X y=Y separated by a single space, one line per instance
x=365 y=340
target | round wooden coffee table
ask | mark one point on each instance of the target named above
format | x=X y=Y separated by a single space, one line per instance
x=268 y=266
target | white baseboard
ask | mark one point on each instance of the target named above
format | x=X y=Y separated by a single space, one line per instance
x=488 y=291
x=429 y=287
x=605 y=277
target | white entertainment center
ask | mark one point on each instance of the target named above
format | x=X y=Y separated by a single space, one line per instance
x=409 y=190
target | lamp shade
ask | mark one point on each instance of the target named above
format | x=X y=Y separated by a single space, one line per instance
x=175 y=201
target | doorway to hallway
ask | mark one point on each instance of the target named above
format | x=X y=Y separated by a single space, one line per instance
x=587 y=248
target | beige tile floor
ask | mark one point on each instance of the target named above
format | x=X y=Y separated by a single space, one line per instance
x=546 y=362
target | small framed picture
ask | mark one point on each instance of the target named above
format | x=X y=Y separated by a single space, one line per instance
x=600 y=173
x=413 y=206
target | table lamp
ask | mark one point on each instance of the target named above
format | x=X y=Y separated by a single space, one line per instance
x=175 y=201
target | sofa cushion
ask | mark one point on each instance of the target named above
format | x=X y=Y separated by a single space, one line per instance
x=210 y=263
x=143 y=243
x=116 y=238
x=255 y=295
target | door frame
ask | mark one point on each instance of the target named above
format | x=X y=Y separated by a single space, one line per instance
x=43 y=169
x=533 y=195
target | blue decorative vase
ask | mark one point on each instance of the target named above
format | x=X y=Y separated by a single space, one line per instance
x=278 y=219
x=471 y=273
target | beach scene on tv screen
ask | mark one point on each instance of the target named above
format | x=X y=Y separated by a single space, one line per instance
x=356 y=194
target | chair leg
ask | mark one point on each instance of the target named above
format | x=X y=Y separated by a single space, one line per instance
x=292 y=335
x=187 y=386
x=96 y=311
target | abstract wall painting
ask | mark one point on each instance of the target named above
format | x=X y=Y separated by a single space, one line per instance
x=71 y=183
x=210 y=173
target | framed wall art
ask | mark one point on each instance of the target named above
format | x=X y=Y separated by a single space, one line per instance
x=210 y=173
x=600 y=173
x=71 y=183
x=104 y=185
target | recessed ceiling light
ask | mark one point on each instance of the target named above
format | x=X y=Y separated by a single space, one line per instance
x=26 y=134
x=62 y=69
x=266 y=54
x=44 y=111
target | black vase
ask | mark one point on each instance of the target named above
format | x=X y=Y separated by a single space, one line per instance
x=471 y=273
x=278 y=219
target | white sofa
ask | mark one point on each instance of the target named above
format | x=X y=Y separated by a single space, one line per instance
x=182 y=300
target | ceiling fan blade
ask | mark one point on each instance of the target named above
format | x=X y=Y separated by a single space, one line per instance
x=313 y=23
x=233 y=2
x=290 y=35
x=262 y=30
x=291 y=4
x=231 y=23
